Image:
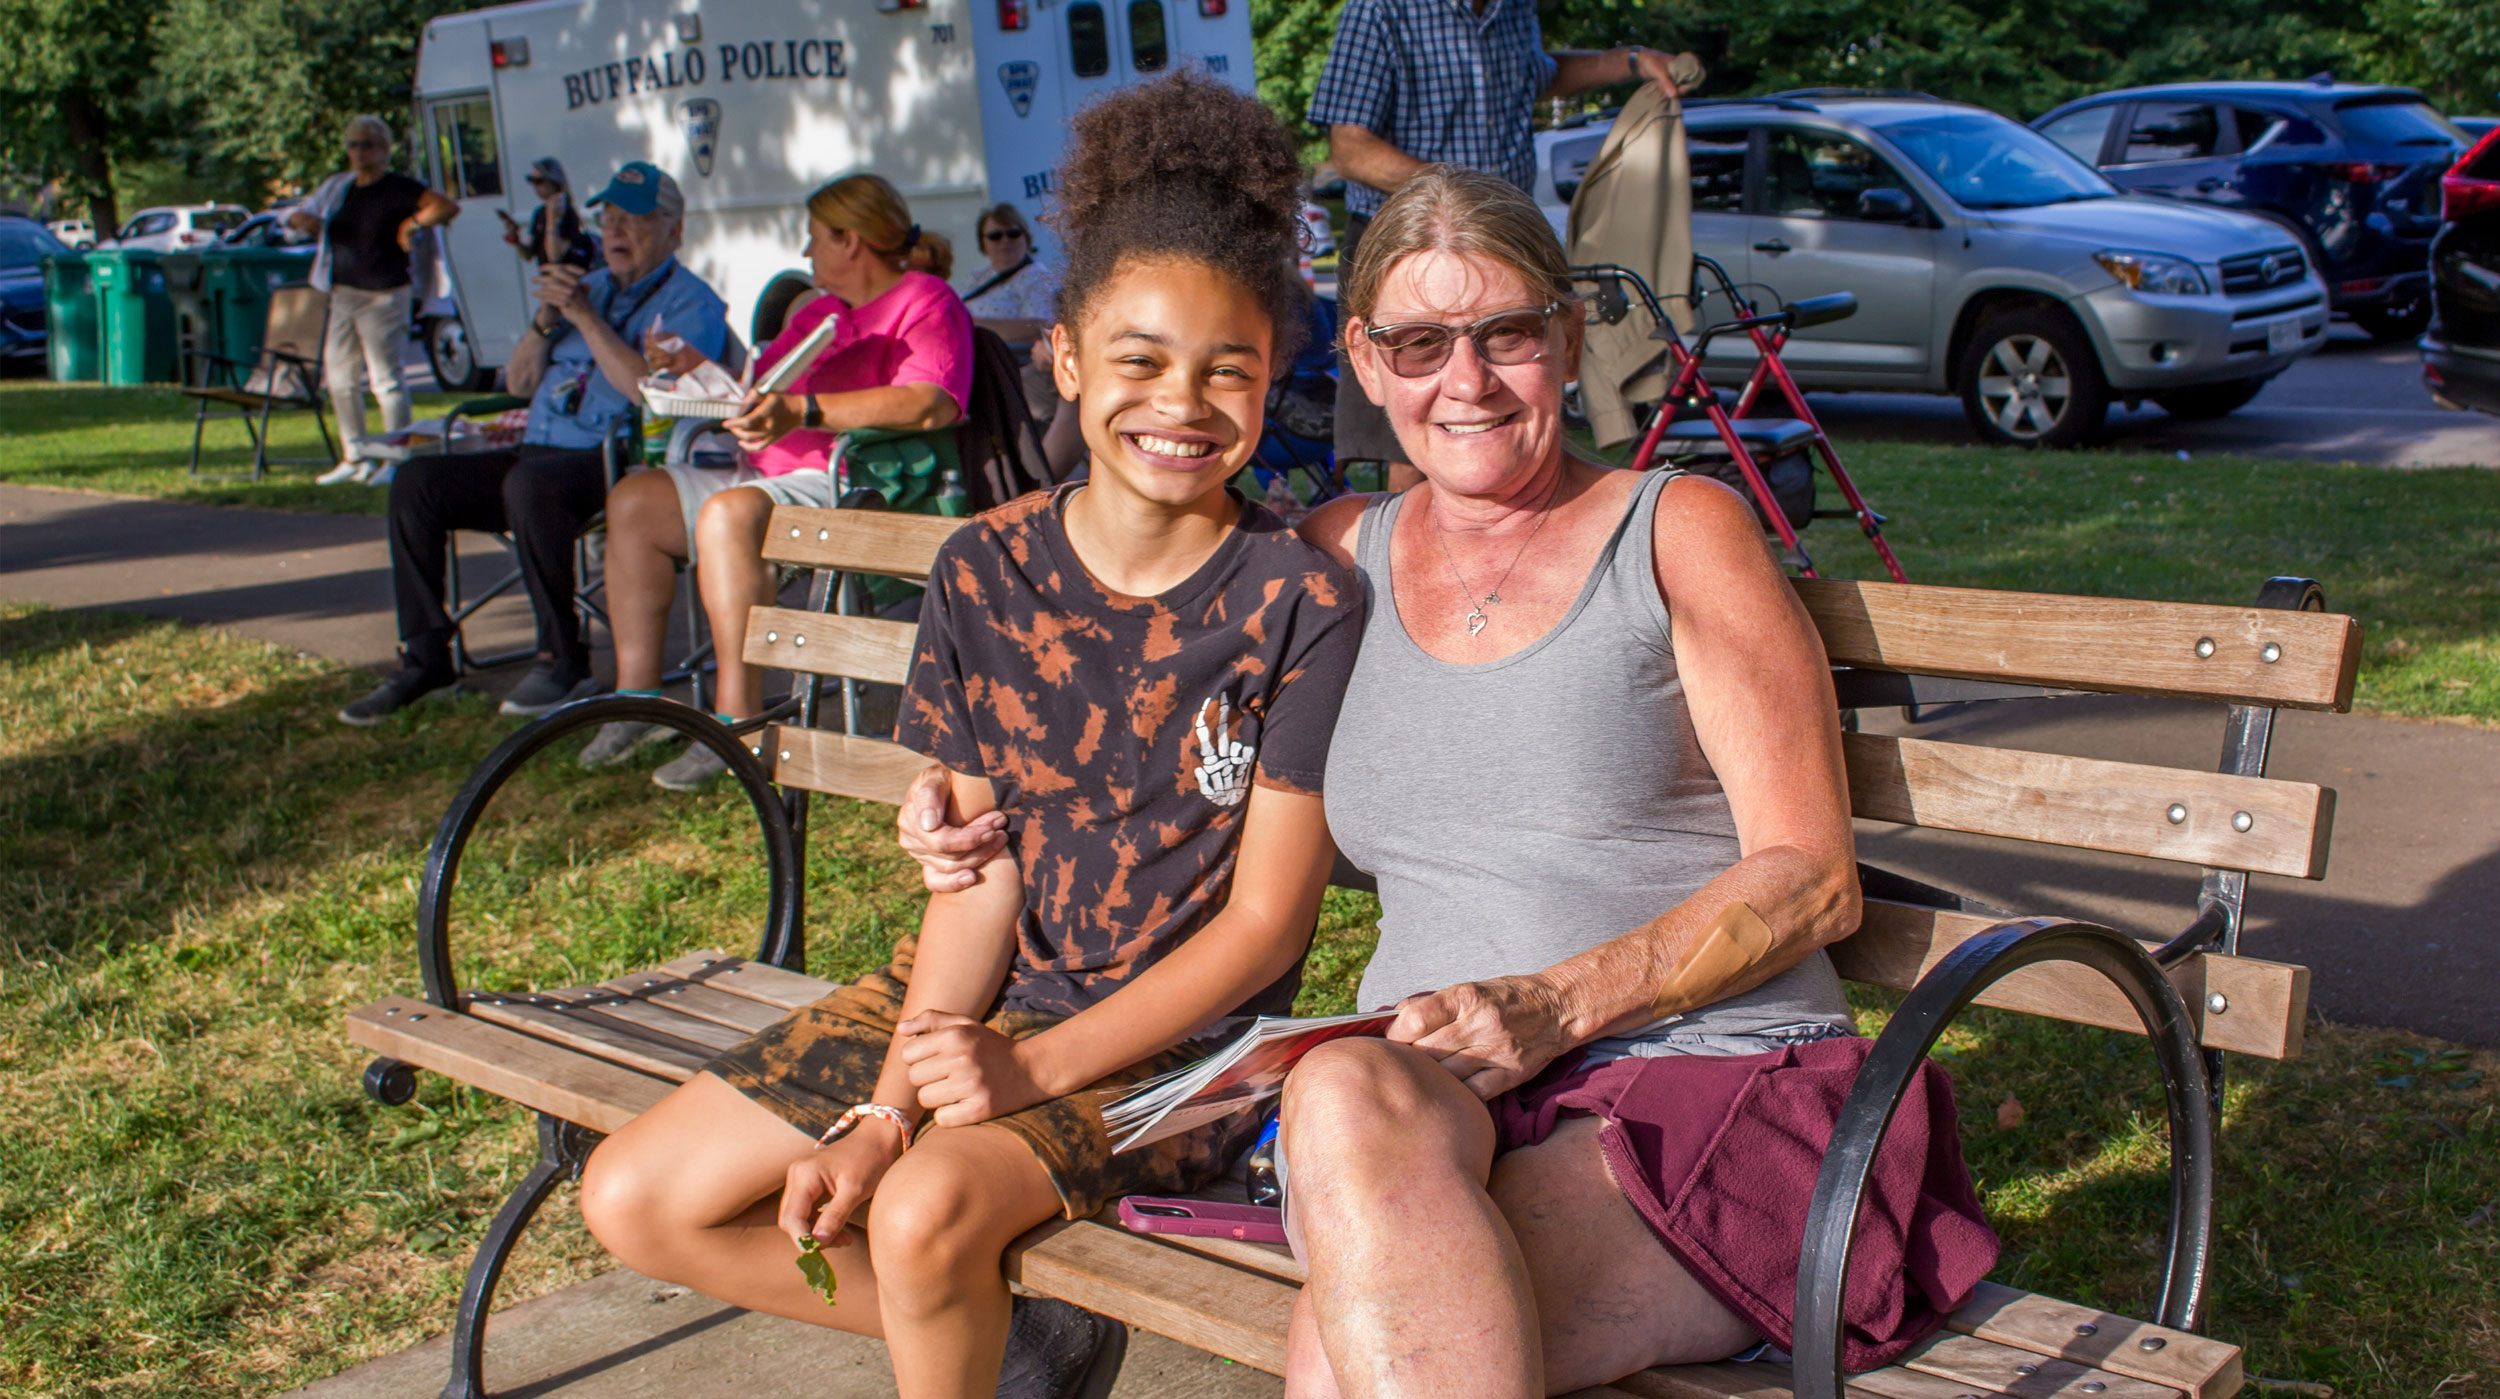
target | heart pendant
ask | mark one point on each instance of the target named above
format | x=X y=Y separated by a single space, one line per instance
x=1476 y=620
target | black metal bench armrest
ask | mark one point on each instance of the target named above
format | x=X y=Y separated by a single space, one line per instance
x=783 y=914
x=1823 y=1263
x=482 y=407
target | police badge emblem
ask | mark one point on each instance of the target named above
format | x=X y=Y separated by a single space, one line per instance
x=1021 y=81
x=701 y=118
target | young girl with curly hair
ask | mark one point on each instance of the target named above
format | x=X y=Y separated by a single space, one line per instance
x=1141 y=673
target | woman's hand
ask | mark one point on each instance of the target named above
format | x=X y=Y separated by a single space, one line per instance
x=827 y=1184
x=1494 y=1035
x=950 y=856
x=764 y=419
x=964 y=1071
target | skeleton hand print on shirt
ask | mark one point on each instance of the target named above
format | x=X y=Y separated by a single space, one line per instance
x=1224 y=762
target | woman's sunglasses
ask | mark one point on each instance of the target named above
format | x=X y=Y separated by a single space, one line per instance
x=1001 y=235
x=1416 y=348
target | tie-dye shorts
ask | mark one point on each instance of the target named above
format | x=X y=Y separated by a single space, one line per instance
x=819 y=1060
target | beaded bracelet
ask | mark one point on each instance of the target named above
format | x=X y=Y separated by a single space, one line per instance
x=851 y=1116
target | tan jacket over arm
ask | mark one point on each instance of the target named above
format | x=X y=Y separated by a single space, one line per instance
x=1635 y=208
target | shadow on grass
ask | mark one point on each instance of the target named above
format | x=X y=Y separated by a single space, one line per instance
x=205 y=872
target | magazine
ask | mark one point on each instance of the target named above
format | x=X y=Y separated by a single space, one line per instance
x=1247 y=1071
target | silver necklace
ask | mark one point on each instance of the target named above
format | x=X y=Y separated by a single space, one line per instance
x=1476 y=615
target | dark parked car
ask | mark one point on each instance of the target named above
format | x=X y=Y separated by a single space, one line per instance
x=2461 y=352
x=2351 y=170
x=24 y=244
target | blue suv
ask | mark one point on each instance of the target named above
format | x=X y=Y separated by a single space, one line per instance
x=2351 y=170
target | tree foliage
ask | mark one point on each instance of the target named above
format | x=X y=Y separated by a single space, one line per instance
x=2020 y=57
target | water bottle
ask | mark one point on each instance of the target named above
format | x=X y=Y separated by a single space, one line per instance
x=1265 y=1189
x=951 y=499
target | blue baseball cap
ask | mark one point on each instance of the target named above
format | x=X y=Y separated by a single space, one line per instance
x=640 y=187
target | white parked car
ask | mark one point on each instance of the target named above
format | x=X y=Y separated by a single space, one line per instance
x=78 y=233
x=179 y=228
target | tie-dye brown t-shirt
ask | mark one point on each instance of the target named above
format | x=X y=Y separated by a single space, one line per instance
x=1123 y=734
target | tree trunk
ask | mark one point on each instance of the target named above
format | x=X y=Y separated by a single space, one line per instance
x=93 y=157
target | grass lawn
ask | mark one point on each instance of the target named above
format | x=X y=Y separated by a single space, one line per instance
x=204 y=872
x=2414 y=554
x=138 y=442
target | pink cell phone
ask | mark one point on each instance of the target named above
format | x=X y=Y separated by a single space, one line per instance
x=1206 y=1219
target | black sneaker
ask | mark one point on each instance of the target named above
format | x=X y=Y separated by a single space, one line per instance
x=549 y=685
x=1058 y=1350
x=410 y=685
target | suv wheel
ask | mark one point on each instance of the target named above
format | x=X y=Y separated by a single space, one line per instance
x=2209 y=401
x=2030 y=379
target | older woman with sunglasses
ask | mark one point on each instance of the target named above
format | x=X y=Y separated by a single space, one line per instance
x=1591 y=755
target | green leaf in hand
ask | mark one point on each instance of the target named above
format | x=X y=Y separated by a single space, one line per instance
x=816 y=1268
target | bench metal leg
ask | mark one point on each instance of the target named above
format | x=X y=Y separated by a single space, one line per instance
x=562 y=1148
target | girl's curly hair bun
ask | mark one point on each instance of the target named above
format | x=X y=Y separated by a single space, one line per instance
x=1184 y=166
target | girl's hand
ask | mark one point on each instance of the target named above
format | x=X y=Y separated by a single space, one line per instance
x=1494 y=1035
x=765 y=418
x=950 y=856
x=965 y=1071
x=827 y=1184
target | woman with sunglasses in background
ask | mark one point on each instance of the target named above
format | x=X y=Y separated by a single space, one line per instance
x=1591 y=754
x=555 y=234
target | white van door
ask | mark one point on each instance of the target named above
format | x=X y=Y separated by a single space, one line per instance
x=487 y=277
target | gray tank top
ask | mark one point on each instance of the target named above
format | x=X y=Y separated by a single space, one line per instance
x=1522 y=811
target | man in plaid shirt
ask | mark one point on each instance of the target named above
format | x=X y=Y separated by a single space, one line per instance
x=1410 y=83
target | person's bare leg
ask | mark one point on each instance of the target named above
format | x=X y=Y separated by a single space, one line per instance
x=941 y=1219
x=1416 y=1283
x=1610 y=1299
x=646 y=541
x=1307 y=1372
x=688 y=1192
x=729 y=538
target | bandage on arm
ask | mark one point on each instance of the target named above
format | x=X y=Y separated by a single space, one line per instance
x=1733 y=943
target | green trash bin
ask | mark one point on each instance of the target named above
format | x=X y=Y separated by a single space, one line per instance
x=69 y=305
x=195 y=330
x=137 y=316
x=237 y=283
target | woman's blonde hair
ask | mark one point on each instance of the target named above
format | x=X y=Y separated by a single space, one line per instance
x=934 y=254
x=870 y=207
x=1005 y=215
x=1467 y=213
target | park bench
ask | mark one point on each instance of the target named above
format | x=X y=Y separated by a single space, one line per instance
x=588 y=1058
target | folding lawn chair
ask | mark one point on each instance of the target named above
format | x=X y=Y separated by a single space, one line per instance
x=286 y=375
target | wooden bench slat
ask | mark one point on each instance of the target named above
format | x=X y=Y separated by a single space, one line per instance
x=1197 y=1301
x=698 y=1000
x=545 y=1077
x=2265 y=1004
x=694 y=1031
x=847 y=765
x=857 y=541
x=2091 y=803
x=821 y=643
x=593 y=1034
x=2199 y=1366
x=1970 y=1361
x=757 y=981
x=2116 y=645
x=1772 y=1380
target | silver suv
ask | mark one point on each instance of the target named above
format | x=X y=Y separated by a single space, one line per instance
x=1989 y=262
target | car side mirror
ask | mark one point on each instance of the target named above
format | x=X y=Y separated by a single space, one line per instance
x=1885 y=206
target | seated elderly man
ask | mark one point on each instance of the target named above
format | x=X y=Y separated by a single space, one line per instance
x=578 y=363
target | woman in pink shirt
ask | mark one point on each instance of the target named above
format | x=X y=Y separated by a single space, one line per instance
x=901 y=357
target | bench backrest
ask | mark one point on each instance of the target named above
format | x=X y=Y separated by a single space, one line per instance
x=2230 y=822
